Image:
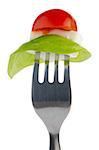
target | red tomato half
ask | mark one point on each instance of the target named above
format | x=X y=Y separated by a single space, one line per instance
x=54 y=19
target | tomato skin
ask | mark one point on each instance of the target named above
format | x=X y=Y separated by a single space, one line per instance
x=54 y=19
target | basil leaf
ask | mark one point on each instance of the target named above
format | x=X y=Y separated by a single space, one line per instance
x=18 y=61
x=49 y=43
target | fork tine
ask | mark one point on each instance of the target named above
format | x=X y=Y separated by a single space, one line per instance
x=36 y=67
x=46 y=73
x=56 y=73
x=56 y=68
x=46 y=67
x=66 y=68
x=66 y=74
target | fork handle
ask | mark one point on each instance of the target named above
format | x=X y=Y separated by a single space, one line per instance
x=54 y=142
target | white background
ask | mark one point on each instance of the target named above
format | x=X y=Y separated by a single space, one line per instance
x=20 y=127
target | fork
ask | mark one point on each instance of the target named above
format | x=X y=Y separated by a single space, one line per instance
x=52 y=101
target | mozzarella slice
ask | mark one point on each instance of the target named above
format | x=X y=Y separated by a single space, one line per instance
x=36 y=34
x=72 y=35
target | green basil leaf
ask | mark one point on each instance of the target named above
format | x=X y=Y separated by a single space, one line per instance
x=18 y=61
x=49 y=43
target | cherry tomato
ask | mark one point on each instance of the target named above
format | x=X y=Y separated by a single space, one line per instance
x=54 y=19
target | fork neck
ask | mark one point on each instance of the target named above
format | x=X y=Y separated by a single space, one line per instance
x=54 y=142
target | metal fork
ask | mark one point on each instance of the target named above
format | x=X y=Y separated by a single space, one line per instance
x=52 y=101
